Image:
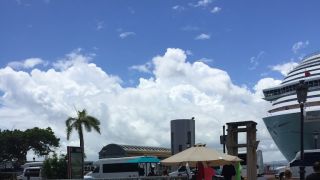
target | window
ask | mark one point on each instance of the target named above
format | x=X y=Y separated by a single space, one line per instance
x=32 y=172
x=120 y=167
x=96 y=169
x=316 y=83
x=290 y=88
x=180 y=147
x=182 y=169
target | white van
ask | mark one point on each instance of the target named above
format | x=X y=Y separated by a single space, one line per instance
x=30 y=173
x=124 y=167
x=31 y=169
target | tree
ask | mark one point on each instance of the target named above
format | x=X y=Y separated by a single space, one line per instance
x=55 y=167
x=76 y=123
x=15 y=144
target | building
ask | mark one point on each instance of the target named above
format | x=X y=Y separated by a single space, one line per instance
x=182 y=134
x=116 y=150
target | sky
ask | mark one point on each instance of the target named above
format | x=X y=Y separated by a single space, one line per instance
x=137 y=65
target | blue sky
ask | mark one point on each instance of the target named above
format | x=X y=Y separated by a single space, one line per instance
x=239 y=31
x=136 y=65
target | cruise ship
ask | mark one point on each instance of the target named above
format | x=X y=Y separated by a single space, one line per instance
x=283 y=119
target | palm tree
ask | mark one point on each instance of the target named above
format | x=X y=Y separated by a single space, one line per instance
x=77 y=124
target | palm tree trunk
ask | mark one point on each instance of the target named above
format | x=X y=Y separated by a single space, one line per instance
x=82 y=148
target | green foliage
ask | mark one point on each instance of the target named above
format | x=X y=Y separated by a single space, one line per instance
x=55 y=167
x=16 y=143
x=12 y=145
x=82 y=120
x=40 y=140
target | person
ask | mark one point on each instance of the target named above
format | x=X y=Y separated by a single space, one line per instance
x=200 y=172
x=141 y=171
x=165 y=172
x=287 y=174
x=316 y=174
x=151 y=173
x=208 y=173
x=238 y=171
x=228 y=171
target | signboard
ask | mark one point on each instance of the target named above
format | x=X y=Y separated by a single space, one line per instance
x=223 y=139
x=75 y=163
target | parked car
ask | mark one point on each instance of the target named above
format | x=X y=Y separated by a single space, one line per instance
x=279 y=172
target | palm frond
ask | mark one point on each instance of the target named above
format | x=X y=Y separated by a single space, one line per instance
x=82 y=119
x=69 y=120
x=94 y=123
x=87 y=125
x=69 y=130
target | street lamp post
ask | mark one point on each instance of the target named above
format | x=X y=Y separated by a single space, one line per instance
x=302 y=91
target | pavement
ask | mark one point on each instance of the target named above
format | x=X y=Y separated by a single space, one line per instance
x=271 y=177
x=267 y=177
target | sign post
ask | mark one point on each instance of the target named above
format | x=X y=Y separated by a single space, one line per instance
x=75 y=163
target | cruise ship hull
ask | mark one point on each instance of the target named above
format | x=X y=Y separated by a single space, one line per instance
x=285 y=131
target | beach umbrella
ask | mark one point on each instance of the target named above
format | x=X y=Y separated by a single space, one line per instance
x=200 y=153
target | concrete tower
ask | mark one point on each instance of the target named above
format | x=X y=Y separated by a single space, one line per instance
x=182 y=134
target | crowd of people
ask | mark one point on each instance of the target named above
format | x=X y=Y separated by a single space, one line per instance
x=206 y=172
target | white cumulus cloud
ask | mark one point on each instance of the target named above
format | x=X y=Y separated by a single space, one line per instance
x=99 y=25
x=138 y=115
x=285 y=68
x=299 y=45
x=202 y=3
x=178 y=8
x=73 y=58
x=26 y=64
x=205 y=60
x=189 y=52
x=145 y=68
x=255 y=60
x=126 y=34
x=202 y=36
x=216 y=9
